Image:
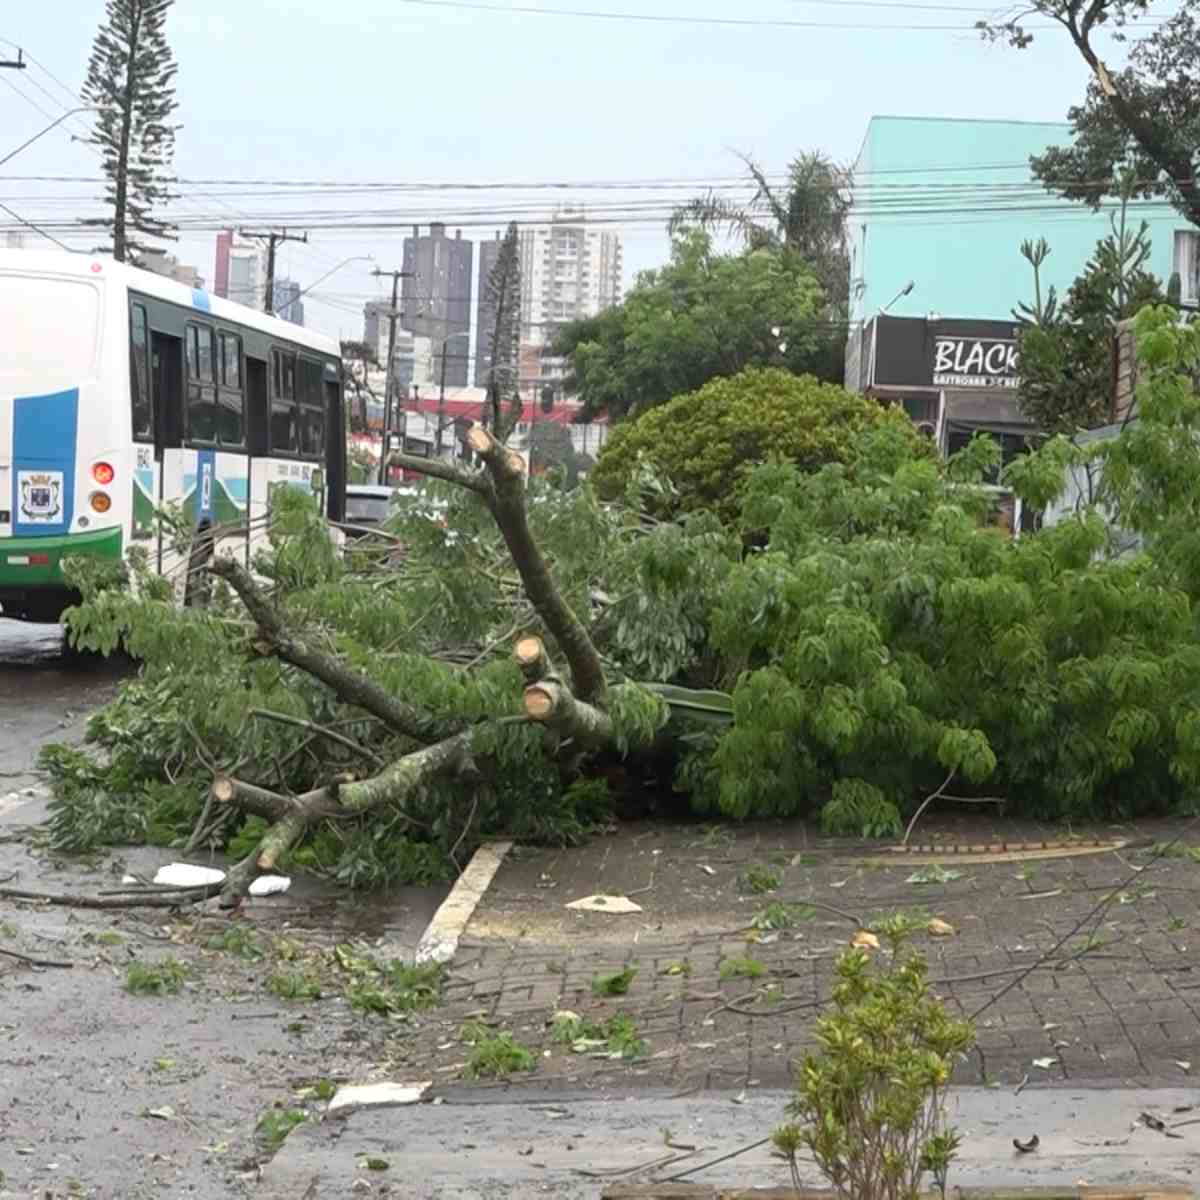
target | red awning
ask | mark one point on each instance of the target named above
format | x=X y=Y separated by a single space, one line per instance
x=471 y=410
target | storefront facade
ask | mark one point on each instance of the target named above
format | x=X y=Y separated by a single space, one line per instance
x=955 y=378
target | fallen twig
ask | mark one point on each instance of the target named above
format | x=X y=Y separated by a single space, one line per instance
x=1096 y=913
x=35 y=962
x=716 y=1161
x=331 y=735
x=142 y=899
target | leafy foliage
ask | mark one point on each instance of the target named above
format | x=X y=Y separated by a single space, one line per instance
x=1065 y=355
x=706 y=443
x=870 y=1103
x=163 y=978
x=873 y=636
x=702 y=316
x=495 y=1055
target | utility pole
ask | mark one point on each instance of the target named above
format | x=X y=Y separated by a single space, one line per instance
x=388 y=388
x=19 y=65
x=273 y=239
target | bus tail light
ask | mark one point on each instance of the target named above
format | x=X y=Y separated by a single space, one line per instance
x=100 y=502
x=103 y=473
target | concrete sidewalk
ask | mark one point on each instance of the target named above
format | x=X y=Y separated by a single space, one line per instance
x=483 y=1147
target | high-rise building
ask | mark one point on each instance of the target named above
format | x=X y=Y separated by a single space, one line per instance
x=485 y=311
x=568 y=270
x=287 y=302
x=162 y=263
x=436 y=298
x=375 y=335
x=241 y=269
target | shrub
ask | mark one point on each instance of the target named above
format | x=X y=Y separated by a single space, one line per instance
x=870 y=1103
x=705 y=442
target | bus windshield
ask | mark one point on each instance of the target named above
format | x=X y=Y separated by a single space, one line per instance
x=49 y=328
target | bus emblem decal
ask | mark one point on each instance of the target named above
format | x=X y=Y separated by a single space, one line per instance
x=41 y=495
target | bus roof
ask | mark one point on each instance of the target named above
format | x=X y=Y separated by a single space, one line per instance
x=89 y=266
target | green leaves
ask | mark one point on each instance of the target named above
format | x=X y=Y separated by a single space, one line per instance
x=967 y=751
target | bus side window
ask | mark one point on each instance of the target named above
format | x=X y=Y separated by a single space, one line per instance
x=312 y=410
x=284 y=435
x=139 y=375
x=231 y=407
x=201 y=385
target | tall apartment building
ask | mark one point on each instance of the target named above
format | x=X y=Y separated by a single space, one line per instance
x=436 y=298
x=241 y=269
x=162 y=263
x=375 y=334
x=568 y=270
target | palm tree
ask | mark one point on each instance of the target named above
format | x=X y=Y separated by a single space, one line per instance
x=808 y=217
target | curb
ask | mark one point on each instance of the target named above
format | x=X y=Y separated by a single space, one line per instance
x=439 y=942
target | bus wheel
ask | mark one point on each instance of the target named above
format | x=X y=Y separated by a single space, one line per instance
x=198 y=590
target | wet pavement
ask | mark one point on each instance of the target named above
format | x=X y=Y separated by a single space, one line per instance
x=44 y=692
x=576 y=1146
x=122 y=1096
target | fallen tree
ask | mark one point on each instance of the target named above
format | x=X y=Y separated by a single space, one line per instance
x=857 y=642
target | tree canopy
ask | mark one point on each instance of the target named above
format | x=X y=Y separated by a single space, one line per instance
x=1145 y=117
x=704 y=444
x=701 y=316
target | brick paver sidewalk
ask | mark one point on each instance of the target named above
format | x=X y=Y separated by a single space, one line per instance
x=1120 y=1003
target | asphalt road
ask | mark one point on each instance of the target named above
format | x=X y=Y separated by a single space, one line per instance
x=44 y=692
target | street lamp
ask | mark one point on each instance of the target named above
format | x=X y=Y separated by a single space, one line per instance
x=53 y=125
x=441 y=421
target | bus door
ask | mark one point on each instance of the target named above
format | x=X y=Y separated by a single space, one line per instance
x=258 y=415
x=166 y=358
x=147 y=449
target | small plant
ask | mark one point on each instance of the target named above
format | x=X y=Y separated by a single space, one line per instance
x=494 y=1055
x=757 y=880
x=295 y=985
x=619 y=1037
x=778 y=915
x=1175 y=924
x=238 y=940
x=742 y=968
x=155 y=979
x=275 y=1124
x=869 y=1105
x=614 y=985
x=388 y=989
x=623 y=1037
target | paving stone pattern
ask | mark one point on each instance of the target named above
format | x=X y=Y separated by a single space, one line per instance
x=1120 y=1005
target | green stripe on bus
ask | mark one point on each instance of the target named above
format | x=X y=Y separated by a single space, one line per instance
x=20 y=558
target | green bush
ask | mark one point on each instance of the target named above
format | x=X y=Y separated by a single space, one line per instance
x=870 y=1102
x=704 y=443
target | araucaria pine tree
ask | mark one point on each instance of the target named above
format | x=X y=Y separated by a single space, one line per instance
x=504 y=297
x=131 y=81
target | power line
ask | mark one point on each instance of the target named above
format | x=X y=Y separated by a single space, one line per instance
x=675 y=19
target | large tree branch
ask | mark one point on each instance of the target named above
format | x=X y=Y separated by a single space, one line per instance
x=508 y=508
x=351 y=686
x=436 y=468
x=552 y=705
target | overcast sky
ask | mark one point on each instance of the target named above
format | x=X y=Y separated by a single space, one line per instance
x=414 y=91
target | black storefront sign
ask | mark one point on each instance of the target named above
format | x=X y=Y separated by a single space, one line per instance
x=912 y=352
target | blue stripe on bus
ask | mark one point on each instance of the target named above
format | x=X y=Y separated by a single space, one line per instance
x=200 y=300
x=206 y=482
x=44 y=433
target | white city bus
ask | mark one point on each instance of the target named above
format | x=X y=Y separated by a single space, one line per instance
x=122 y=391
